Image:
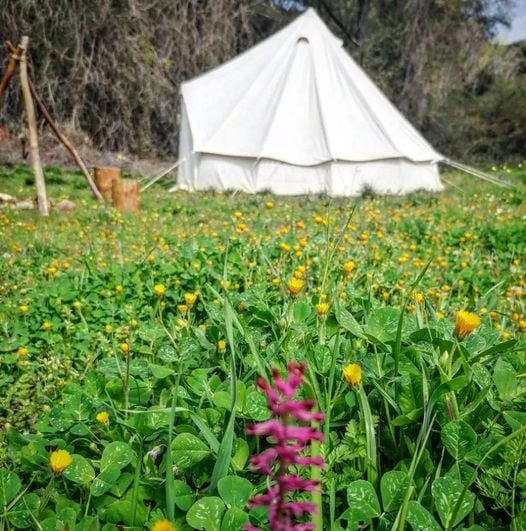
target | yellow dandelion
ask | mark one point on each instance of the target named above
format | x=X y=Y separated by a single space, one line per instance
x=46 y=325
x=295 y=285
x=103 y=418
x=24 y=308
x=159 y=290
x=221 y=345
x=322 y=308
x=190 y=298
x=353 y=374
x=465 y=323
x=125 y=348
x=163 y=525
x=22 y=352
x=59 y=461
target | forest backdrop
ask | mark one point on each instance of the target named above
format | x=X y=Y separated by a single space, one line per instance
x=113 y=69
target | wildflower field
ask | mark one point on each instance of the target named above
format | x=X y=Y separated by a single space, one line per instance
x=220 y=361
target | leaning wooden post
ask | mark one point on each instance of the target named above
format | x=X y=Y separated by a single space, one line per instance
x=32 y=126
x=16 y=54
x=66 y=143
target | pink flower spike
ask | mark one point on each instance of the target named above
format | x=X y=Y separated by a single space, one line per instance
x=290 y=439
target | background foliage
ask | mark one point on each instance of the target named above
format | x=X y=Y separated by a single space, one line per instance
x=113 y=69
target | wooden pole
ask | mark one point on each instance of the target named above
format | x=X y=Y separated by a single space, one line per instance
x=16 y=54
x=67 y=144
x=32 y=126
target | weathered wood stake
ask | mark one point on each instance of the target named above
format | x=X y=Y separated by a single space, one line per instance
x=16 y=54
x=65 y=142
x=32 y=126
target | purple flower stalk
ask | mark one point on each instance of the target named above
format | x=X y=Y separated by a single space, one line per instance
x=290 y=441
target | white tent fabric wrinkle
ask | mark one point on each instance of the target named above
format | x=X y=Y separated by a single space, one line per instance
x=296 y=115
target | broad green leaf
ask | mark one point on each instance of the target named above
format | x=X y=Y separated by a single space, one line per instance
x=459 y=438
x=184 y=495
x=234 y=491
x=24 y=512
x=206 y=514
x=347 y=321
x=241 y=453
x=505 y=379
x=420 y=518
x=446 y=493
x=234 y=519
x=114 y=458
x=256 y=406
x=160 y=372
x=382 y=324
x=80 y=470
x=301 y=311
x=188 y=450
x=363 y=501
x=393 y=486
x=9 y=486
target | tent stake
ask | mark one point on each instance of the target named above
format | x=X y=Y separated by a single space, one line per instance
x=32 y=126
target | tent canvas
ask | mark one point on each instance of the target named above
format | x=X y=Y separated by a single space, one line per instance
x=296 y=115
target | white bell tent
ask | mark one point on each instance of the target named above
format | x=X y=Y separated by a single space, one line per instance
x=296 y=115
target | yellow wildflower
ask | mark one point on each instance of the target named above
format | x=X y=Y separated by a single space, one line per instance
x=182 y=308
x=46 y=325
x=295 y=285
x=190 y=298
x=24 y=308
x=119 y=288
x=59 y=461
x=125 y=348
x=159 y=290
x=103 y=418
x=349 y=266
x=353 y=374
x=221 y=345
x=22 y=352
x=108 y=328
x=322 y=308
x=465 y=323
x=163 y=525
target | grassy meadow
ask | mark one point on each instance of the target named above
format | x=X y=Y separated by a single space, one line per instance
x=131 y=344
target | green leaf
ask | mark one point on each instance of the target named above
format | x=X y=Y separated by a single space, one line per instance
x=446 y=493
x=362 y=500
x=184 y=495
x=206 y=513
x=9 y=486
x=241 y=453
x=459 y=438
x=393 y=486
x=188 y=450
x=420 y=518
x=234 y=491
x=160 y=372
x=114 y=458
x=256 y=406
x=234 y=519
x=301 y=311
x=24 y=512
x=382 y=324
x=505 y=379
x=80 y=471
x=347 y=321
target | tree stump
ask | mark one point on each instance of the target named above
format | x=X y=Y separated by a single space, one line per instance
x=104 y=179
x=126 y=195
